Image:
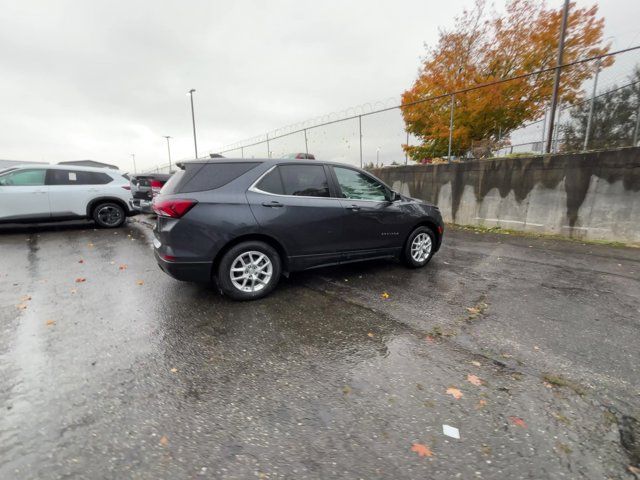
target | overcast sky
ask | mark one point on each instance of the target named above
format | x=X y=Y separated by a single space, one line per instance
x=104 y=79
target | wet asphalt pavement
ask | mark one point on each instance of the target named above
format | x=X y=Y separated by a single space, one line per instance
x=529 y=347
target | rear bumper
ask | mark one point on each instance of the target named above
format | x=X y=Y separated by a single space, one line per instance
x=185 y=271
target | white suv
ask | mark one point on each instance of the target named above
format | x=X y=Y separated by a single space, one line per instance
x=46 y=193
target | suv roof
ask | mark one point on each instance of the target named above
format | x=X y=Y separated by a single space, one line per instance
x=272 y=161
x=70 y=167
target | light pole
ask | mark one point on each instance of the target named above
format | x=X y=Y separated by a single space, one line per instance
x=193 y=121
x=377 y=156
x=133 y=156
x=168 y=150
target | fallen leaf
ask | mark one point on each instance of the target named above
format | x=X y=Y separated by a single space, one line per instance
x=22 y=306
x=384 y=295
x=81 y=261
x=26 y=298
x=81 y=280
x=474 y=380
x=123 y=266
x=174 y=370
x=90 y=244
x=518 y=421
x=140 y=282
x=370 y=334
x=164 y=441
x=112 y=263
x=634 y=470
x=74 y=290
x=346 y=389
x=536 y=347
x=429 y=338
x=50 y=323
x=456 y=393
x=473 y=310
x=476 y=363
x=421 y=450
x=481 y=403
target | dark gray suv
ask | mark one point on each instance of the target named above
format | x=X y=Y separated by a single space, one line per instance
x=243 y=223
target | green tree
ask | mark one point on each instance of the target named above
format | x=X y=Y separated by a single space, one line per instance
x=614 y=120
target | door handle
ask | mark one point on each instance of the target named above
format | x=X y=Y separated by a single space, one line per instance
x=273 y=204
x=353 y=208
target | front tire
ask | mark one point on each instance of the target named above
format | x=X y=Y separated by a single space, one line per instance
x=249 y=270
x=419 y=247
x=109 y=215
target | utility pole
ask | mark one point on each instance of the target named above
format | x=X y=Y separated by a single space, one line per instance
x=591 y=108
x=133 y=156
x=556 y=80
x=168 y=150
x=193 y=122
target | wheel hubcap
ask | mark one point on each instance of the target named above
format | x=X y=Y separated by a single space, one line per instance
x=421 y=247
x=251 y=271
x=109 y=215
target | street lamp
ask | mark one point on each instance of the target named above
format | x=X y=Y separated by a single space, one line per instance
x=133 y=156
x=193 y=121
x=168 y=150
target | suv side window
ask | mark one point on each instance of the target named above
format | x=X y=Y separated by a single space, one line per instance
x=358 y=186
x=23 y=178
x=304 y=180
x=271 y=182
x=197 y=177
x=77 y=177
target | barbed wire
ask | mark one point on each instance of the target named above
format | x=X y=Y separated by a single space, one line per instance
x=325 y=120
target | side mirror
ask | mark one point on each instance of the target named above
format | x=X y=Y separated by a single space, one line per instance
x=393 y=196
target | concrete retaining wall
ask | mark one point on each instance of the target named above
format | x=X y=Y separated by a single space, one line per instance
x=592 y=196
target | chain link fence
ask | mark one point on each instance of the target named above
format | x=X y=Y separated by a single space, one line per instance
x=607 y=116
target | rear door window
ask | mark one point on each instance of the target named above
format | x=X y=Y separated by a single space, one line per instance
x=77 y=177
x=199 y=177
x=304 y=180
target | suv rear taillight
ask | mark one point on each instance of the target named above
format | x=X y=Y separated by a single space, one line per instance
x=173 y=208
x=156 y=186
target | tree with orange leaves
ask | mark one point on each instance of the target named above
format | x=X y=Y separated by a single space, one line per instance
x=484 y=47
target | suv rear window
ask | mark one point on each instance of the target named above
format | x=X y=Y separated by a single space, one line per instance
x=198 y=177
x=76 y=177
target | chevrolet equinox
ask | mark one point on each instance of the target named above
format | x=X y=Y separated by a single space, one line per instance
x=243 y=223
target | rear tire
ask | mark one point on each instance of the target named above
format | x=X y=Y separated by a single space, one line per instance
x=249 y=270
x=109 y=215
x=419 y=247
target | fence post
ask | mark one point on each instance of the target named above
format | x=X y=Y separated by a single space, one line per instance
x=268 y=149
x=593 y=103
x=360 y=128
x=544 y=130
x=306 y=145
x=406 y=158
x=451 y=128
x=635 y=131
x=242 y=152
